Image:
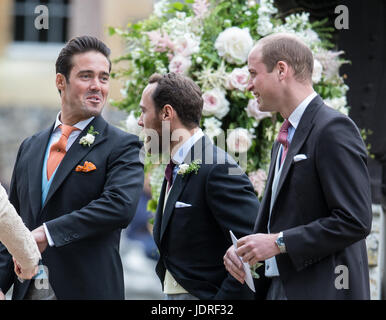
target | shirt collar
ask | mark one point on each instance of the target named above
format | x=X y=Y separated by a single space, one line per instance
x=80 y=125
x=182 y=151
x=296 y=115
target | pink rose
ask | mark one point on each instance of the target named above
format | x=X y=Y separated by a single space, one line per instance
x=239 y=140
x=253 y=110
x=215 y=103
x=258 y=179
x=186 y=45
x=161 y=42
x=238 y=79
x=180 y=64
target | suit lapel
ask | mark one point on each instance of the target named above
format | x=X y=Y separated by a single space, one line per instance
x=158 y=214
x=175 y=191
x=75 y=154
x=303 y=130
x=35 y=169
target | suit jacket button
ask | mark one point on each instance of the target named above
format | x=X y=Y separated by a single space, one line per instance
x=75 y=236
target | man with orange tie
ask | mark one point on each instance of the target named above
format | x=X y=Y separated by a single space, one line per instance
x=316 y=211
x=76 y=185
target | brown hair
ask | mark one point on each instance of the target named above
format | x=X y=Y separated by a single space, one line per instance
x=181 y=93
x=79 y=45
x=288 y=48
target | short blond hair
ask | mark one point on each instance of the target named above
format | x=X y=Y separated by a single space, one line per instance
x=289 y=48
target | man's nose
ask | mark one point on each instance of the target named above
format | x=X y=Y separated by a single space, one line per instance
x=249 y=85
x=140 y=121
x=95 y=85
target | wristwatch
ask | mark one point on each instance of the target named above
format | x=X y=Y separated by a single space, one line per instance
x=280 y=243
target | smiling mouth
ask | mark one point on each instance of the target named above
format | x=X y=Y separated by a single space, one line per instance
x=94 y=99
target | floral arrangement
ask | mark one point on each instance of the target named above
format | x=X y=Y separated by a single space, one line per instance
x=209 y=41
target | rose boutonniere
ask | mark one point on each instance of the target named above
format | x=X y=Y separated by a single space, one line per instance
x=89 y=138
x=188 y=168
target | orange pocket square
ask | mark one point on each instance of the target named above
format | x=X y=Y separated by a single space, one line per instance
x=87 y=167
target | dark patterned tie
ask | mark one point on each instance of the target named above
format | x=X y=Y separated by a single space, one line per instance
x=169 y=173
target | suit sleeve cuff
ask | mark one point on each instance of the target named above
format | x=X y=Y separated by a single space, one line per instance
x=49 y=239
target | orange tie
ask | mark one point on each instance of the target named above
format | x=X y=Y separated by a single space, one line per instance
x=58 y=149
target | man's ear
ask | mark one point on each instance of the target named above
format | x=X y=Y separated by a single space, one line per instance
x=168 y=113
x=282 y=69
x=60 y=81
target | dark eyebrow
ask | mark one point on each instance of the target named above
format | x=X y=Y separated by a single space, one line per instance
x=91 y=71
x=85 y=71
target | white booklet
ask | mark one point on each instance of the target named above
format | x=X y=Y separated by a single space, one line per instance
x=247 y=270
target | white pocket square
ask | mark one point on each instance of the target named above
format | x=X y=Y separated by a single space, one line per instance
x=182 y=205
x=300 y=157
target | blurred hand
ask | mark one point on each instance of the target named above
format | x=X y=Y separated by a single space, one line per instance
x=2 y=296
x=233 y=264
x=22 y=273
x=40 y=238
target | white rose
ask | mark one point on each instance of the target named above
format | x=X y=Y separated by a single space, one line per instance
x=339 y=104
x=180 y=64
x=131 y=124
x=239 y=140
x=317 y=72
x=234 y=45
x=215 y=103
x=238 y=79
x=253 y=111
x=88 y=139
x=182 y=168
x=186 y=45
x=212 y=127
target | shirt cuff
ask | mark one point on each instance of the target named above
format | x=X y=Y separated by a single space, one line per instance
x=49 y=239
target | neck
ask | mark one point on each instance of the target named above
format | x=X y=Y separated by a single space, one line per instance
x=179 y=137
x=69 y=118
x=294 y=97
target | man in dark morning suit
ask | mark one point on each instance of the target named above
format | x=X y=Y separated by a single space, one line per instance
x=196 y=210
x=316 y=211
x=76 y=185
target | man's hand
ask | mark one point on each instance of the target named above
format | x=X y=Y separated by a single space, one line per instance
x=233 y=264
x=257 y=247
x=22 y=273
x=40 y=238
x=2 y=296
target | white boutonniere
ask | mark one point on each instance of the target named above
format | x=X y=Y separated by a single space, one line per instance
x=185 y=168
x=89 y=138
